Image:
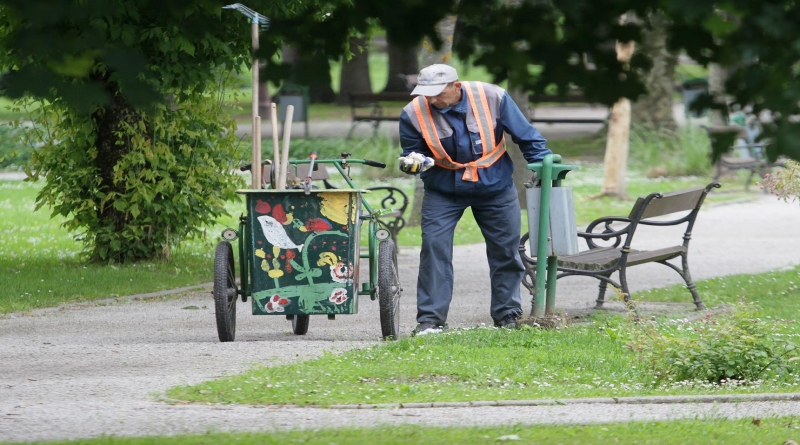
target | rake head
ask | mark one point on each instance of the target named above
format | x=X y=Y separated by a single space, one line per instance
x=252 y=15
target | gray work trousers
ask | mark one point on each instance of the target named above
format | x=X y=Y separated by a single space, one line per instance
x=499 y=220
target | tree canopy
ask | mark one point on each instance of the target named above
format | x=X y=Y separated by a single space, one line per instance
x=538 y=42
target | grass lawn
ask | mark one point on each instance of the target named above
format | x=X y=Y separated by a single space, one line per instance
x=768 y=431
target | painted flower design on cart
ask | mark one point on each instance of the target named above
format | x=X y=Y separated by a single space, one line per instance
x=276 y=304
x=339 y=295
x=342 y=273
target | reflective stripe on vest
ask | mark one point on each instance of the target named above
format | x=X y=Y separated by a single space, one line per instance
x=483 y=116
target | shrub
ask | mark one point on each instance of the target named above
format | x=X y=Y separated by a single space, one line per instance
x=14 y=154
x=735 y=345
x=663 y=152
x=173 y=172
x=785 y=183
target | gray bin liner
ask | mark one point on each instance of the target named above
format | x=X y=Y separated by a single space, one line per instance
x=563 y=229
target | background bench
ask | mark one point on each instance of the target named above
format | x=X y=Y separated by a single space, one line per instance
x=370 y=108
x=568 y=99
x=611 y=243
x=748 y=155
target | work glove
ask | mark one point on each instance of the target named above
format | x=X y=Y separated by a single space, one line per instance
x=414 y=163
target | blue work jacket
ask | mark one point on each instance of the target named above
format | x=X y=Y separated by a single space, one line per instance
x=464 y=146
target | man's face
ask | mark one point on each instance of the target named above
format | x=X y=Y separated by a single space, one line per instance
x=448 y=97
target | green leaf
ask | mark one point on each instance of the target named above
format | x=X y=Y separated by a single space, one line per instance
x=120 y=205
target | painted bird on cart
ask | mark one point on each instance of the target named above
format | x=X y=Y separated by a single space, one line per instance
x=276 y=234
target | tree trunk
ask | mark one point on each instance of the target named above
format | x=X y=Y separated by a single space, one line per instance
x=355 y=72
x=264 y=98
x=521 y=173
x=429 y=56
x=110 y=149
x=619 y=125
x=655 y=108
x=717 y=75
x=303 y=65
x=402 y=61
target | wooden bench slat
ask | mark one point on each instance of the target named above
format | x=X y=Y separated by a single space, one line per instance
x=649 y=256
x=673 y=202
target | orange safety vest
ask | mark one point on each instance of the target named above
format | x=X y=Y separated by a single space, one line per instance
x=485 y=121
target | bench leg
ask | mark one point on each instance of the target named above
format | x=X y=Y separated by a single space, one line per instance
x=350 y=132
x=601 y=296
x=749 y=179
x=623 y=281
x=687 y=278
x=529 y=281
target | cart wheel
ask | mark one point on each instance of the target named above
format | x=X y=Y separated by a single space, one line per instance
x=225 y=292
x=389 y=289
x=300 y=324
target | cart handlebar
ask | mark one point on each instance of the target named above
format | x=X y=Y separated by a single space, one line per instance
x=374 y=163
x=246 y=167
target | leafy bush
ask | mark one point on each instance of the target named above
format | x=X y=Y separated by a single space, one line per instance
x=732 y=346
x=14 y=154
x=172 y=173
x=684 y=152
x=785 y=183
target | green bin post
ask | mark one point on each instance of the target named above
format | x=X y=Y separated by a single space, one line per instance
x=551 y=171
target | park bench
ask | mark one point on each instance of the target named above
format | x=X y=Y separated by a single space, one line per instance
x=612 y=249
x=392 y=200
x=748 y=155
x=371 y=108
x=566 y=99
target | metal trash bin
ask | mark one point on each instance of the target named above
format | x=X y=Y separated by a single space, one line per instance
x=303 y=251
x=297 y=96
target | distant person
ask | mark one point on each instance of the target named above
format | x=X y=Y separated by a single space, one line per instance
x=452 y=134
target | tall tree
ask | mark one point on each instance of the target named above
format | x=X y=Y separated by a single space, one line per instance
x=429 y=55
x=131 y=172
x=654 y=108
x=521 y=173
x=355 y=71
x=619 y=124
x=403 y=60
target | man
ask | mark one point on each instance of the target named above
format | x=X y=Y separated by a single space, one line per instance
x=461 y=126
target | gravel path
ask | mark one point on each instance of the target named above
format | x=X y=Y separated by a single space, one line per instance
x=85 y=371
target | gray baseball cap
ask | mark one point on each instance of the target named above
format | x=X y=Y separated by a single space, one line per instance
x=432 y=79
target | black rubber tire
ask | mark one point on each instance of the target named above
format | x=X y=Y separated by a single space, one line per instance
x=389 y=289
x=300 y=324
x=225 y=292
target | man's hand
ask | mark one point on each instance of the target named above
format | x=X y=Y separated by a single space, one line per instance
x=414 y=163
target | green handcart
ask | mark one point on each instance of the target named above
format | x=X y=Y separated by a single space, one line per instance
x=299 y=252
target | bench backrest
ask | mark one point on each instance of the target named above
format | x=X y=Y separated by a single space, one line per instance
x=378 y=97
x=680 y=201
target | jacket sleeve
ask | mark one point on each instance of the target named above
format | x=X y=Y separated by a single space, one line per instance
x=410 y=138
x=526 y=136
